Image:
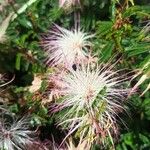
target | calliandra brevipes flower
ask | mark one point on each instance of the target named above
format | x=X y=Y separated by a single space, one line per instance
x=14 y=134
x=91 y=100
x=66 y=47
x=68 y=3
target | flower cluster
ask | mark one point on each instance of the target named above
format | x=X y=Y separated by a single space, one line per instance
x=91 y=100
x=88 y=95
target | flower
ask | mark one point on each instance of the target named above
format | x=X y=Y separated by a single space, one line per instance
x=68 y=3
x=15 y=134
x=92 y=98
x=66 y=47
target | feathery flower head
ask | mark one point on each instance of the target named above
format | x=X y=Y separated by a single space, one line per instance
x=14 y=135
x=66 y=47
x=68 y=3
x=85 y=84
x=92 y=98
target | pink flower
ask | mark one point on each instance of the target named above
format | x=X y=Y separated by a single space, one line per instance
x=64 y=47
x=92 y=98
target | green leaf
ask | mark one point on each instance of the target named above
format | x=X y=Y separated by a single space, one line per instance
x=18 y=61
x=144 y=138
x=138 y=49
x=104 y=27
x=107 y=51
x=139 y=11
x=14 y=108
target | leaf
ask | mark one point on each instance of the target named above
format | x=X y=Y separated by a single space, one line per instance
x=104 y=27
x=4 y=26
x=107 y=51
x=14 y=108
x=25 y=23
x=23 y=8
x=138 y=49
x=137 y=10
x=18 y=61
x=145 y=63
x=144 y=138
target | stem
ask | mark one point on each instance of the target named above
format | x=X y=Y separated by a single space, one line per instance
x=77 y=19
